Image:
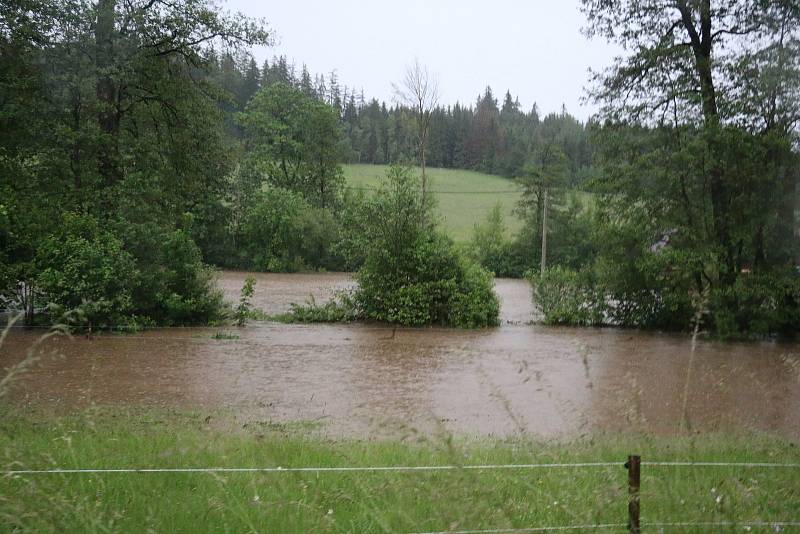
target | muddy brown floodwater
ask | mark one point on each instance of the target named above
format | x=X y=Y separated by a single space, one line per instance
x=366 y=380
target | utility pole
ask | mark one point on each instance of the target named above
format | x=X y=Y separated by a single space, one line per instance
x=544 y=233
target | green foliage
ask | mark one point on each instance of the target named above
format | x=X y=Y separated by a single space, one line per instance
x=474 y=303
x=342 y=308
x=567 y=297
x=283 y=232
x=85 y=267
x=757 y=305
x=293 y=139
x=173 y=286
x=186 y=288
x=350 y=247
x=699 y=164
x=412 y=275
x=490 y=247
x=243 y=311
x=109 y=112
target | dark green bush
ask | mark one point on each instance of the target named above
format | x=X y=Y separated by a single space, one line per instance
x=188 y=290
x=411 y=273
x=282 y=232
x=414 y=275
x=85 y=267
x=173 y=286
x=647 y=290
x=474 y=304
x=757 y=305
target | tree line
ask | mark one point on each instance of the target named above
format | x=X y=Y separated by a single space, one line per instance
x=487 y=136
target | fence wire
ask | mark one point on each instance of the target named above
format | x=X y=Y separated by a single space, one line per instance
x=624 y=526
x=280 y=469
x=398 y=468
x=777 y=525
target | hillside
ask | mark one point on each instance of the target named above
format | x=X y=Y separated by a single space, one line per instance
x=462 y=197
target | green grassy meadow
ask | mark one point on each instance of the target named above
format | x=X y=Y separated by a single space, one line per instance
x=416 y=501
x=457 y=204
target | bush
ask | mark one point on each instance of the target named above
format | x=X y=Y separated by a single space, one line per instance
x=567 y=297
x=85 y=267
x=491 y=249
x=243 y=311
x=757 y=305
x=649 y=290
x=188 y=292
x=474 y=303
x=412 y=274
x=172 y=286
x=651 y=294
x=341 y=309
x=282 y=232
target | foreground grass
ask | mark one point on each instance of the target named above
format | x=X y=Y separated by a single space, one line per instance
x=459 y=210
x=362 y=502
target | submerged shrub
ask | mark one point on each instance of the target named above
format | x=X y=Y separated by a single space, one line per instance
x=173 y=286
x=414 y=275
x=283 y=232
x=341 y=309
x=564 y=296
x=757 y=305
x=85 y=267
x=475 y=303
x=243 y=310
x=190 y=294
x=411 y=274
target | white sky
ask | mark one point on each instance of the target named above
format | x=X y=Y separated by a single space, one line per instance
x=532 y=47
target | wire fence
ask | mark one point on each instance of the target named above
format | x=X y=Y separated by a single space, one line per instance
x=624 y=527
x=396 y=468
x=634 y=524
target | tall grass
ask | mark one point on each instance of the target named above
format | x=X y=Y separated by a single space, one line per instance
x=362 y=502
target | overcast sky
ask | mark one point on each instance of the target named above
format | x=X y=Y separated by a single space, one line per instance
x=534 y=48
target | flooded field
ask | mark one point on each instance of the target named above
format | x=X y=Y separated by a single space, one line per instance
x=366 y=380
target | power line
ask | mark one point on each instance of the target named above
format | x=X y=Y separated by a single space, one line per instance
x=505 y=191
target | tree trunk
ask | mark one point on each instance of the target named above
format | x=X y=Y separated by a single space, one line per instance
x=106 y=90
x=702 y=46
x=422 y=164
x=789 y=208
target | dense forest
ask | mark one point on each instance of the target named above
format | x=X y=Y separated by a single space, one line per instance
x=487 y=137
x=141 y=142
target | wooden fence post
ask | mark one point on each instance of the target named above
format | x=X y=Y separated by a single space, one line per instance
x=633 y=467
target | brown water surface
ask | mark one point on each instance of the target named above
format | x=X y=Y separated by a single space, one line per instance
x=364 y=380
